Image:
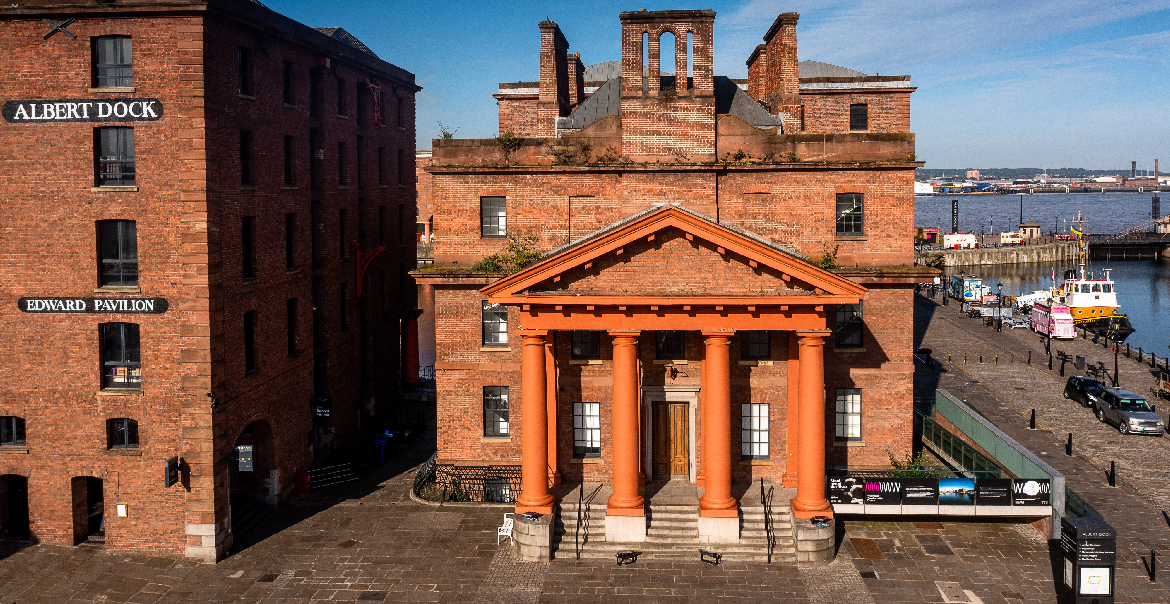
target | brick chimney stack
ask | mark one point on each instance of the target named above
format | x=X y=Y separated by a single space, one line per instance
x=783 y=72
x=554 y=78
x=757 y=65
x=576 y=80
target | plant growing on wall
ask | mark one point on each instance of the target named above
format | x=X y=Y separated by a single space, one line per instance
x=509 y=142
x=913 y=466
x=518 y=254
x=446 y=133
x=828 y=257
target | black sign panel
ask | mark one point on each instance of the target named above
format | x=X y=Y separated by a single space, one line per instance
x=919 y=491
x=883 y=491
x=129 y=306
x=1028 y=491
x=993 y=491
x=846 y=490
x=244 y=457
x=954 y=215
x=83 y=110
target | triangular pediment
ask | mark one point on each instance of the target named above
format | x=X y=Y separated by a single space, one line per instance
x=671 y=255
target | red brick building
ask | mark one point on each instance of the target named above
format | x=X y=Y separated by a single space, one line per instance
x=194 y=195
x=726 y=284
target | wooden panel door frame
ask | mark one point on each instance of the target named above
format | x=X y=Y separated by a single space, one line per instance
x=688 y=394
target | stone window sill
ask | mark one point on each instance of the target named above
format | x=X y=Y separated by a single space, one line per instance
x=113 y=289
x=849 y=350
x=247 y=187
x=113 y=189
x=250 y=97
x=342 y=116
x=131 y=451
x=755 y=462
x=495 y=439
x=13 y=450
x=586 y=460
x=290 y=187
x=495 y=349
x=585 y=361
x=120 y=392
x=757 y=363
x=849 y=443
x=112 y=89
x=851 y=238
x=670 y=362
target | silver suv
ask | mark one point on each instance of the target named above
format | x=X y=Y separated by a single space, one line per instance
x=1130 y=412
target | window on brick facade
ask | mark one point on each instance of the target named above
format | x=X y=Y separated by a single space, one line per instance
x=341 y=89
x=586 y=430
x=117 y=253
x=342 y=215
x=670 y=345
x=115 y=156
x=290 y=177
x=848 y=332
x=12 y=431
x=495 y=411
x=361 y=162
x=493 y=217
x=401 y=167
x=290 y=241
x=317 y=233
x=121 y=364
x=402 y=236
x=113 y=65
x=381 y=165
x=290 y=316
x=248 y=246
x=495 y=324
x=754 y=430
x=400 y=112
x=343 y=306
x=289 y=91
x=586 y=345
x=121 y=433
x=246 y=153
x=755 y=345
x=859 y=117
x=316 y=158
x=342 y=173
x=850 y=214
x=250 y=341
x=381 y=225
x=848 y=413
x=314 y=91
x=359 y=99
x=244 y=62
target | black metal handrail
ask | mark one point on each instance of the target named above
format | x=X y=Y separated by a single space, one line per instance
x=426 y=473
x=769 y=528
x=583 y=508
x=481 y=484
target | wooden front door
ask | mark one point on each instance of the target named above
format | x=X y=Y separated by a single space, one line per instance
x=671 y=440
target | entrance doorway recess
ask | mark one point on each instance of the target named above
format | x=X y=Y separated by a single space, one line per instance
x=668 y=431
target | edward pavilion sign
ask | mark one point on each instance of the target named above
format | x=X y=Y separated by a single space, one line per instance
x=101 y=306
x=82 y=110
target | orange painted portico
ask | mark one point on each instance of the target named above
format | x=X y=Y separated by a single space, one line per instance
x=727 y=281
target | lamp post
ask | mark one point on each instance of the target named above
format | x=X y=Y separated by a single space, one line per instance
x=999 y=307
x=1116 y=349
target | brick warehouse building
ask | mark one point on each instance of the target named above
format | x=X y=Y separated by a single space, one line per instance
x=194 y=192
x=678 y=325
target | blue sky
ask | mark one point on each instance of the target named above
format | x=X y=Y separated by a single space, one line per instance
x=1076 y=83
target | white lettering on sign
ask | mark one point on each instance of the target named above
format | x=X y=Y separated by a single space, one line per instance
x=79 y=110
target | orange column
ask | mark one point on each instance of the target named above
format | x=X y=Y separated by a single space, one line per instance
x=626 y=499
x=793 y=418
x=810 y=479
x=717 y=500
x=534 y=428
x=550 y=373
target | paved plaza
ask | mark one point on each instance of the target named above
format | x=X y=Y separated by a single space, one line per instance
x=370 y=542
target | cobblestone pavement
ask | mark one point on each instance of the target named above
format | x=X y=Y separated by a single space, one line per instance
x=1006 y=393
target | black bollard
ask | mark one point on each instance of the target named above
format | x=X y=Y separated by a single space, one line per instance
x=1127 y=351
x=981 y=358
x=949 y=358
x=1050 y=361
x=1068 y=445
x=1112 y=474
x=997 y=359
x=964 y=358
x=1062 y=359
x=1029 y=357
x=1032 y=421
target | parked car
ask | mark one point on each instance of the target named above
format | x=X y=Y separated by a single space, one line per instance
x=1084 y=390
x=1130 y=412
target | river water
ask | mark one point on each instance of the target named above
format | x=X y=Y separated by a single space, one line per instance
x=1143 y=286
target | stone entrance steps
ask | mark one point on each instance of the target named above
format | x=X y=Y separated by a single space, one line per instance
x=673 y=532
